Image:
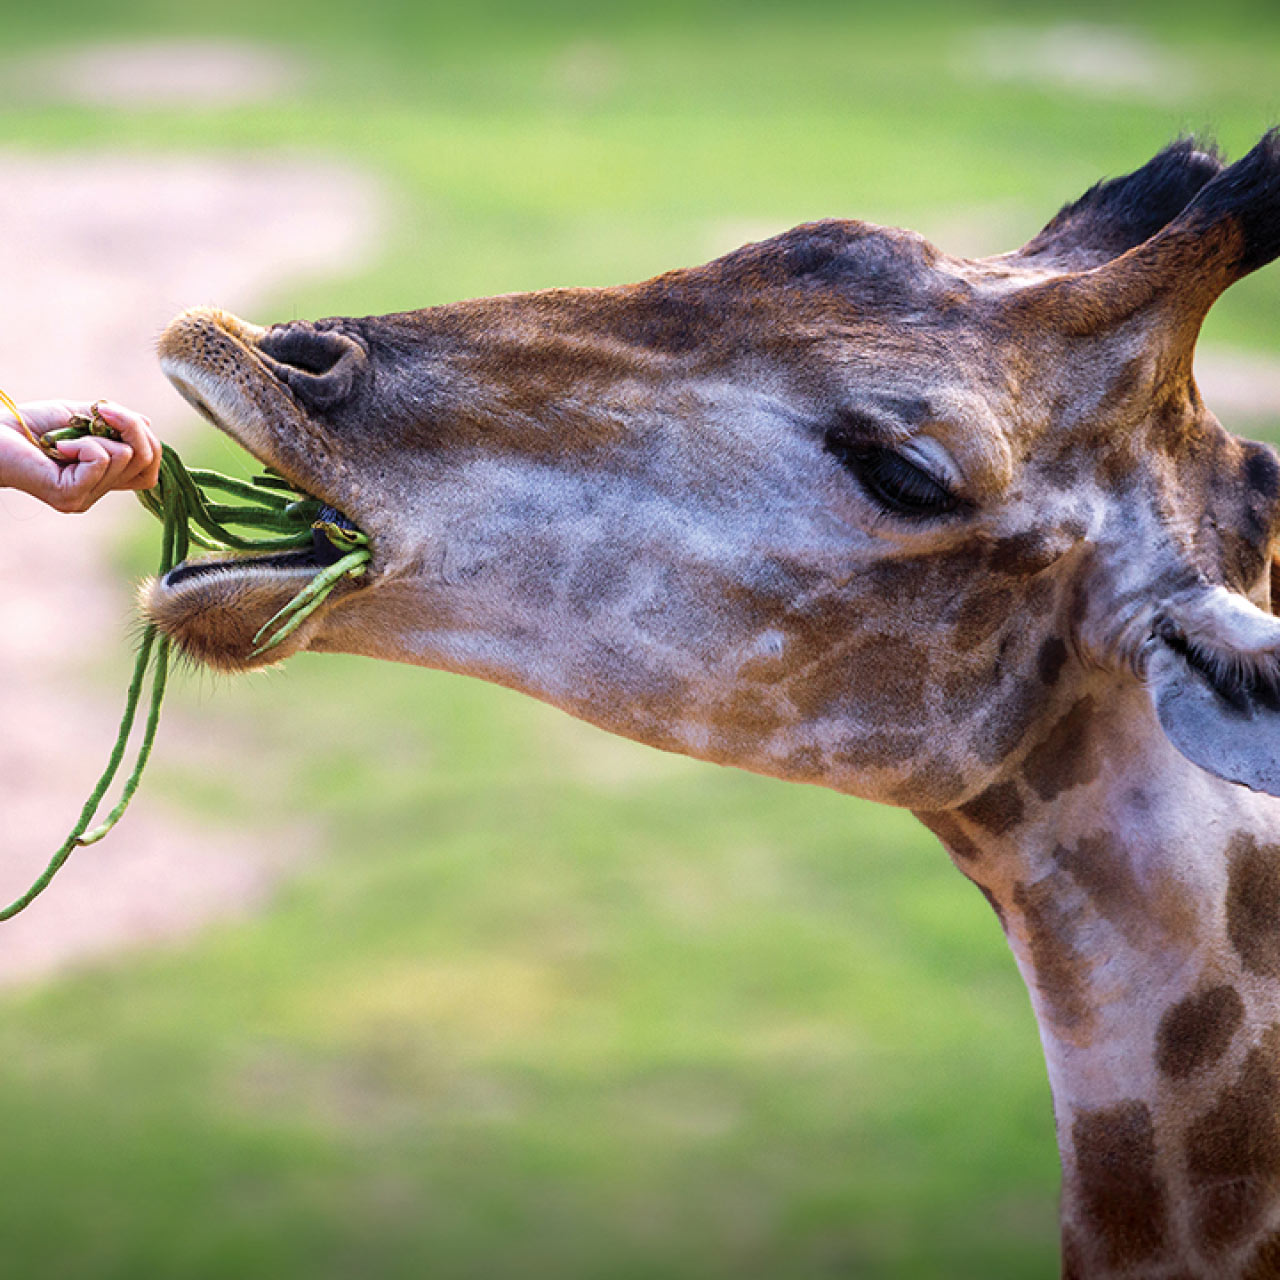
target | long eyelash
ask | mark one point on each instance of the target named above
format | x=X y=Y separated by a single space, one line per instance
x=1238 y=677
x=895 y=473
x=899 y=486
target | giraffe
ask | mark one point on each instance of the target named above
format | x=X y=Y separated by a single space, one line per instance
x=955 y=535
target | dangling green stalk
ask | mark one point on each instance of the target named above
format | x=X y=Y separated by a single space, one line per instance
x=286 y=519
x=309 y=599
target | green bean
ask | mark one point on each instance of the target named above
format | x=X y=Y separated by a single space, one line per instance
x=283 y=517
x=309 y=599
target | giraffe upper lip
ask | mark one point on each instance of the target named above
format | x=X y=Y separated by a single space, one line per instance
x=232 y=373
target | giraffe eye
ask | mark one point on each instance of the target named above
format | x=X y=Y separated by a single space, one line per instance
x=896 y=484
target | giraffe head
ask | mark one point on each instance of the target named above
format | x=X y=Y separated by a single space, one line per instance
x=836 y=507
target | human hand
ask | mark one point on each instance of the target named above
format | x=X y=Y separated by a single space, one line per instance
x=93 y=465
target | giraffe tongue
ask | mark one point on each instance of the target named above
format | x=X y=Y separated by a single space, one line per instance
x=323 y=548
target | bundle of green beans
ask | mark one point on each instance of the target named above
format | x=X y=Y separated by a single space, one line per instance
x=277 y=517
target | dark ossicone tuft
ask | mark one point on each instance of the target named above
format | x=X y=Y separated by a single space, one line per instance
x=1115 y=216
x=1249 y=192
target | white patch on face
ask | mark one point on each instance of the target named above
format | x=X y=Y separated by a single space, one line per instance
x=634 y=575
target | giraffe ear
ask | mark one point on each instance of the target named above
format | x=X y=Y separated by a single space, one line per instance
x=1213 y=679
x=1115 y=216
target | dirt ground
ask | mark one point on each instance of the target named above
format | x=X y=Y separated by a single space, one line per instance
x=97 y=252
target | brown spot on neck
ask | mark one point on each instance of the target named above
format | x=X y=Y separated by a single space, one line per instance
x=945 y=826
x=1264 y=1264
x=1067 y=757
x=1233 y=1157
x=998 y=809
x=1061 y=968
x=1122 y=1199
x=1253 y=904
x=1195 y=1032
x=1146 y=914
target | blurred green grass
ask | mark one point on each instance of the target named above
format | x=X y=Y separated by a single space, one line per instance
x=539 y=1002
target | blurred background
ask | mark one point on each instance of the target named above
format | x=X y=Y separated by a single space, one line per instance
x=392 y=974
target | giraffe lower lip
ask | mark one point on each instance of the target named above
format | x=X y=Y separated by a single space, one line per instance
x=304 y=560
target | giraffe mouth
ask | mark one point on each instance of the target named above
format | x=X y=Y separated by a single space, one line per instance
x=309 y=560
x=213 y=607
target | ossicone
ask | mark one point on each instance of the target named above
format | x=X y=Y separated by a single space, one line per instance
x=1228 y=225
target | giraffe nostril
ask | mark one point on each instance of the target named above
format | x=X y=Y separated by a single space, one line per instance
x=319 y=365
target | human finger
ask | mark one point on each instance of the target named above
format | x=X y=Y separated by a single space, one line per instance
x=50 y=415
x=103 y=465
x=81 y=481
x=119 y=462
x=135 y=431
x=126 y=468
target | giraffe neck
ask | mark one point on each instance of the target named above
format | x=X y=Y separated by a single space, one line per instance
x=1141 y=898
